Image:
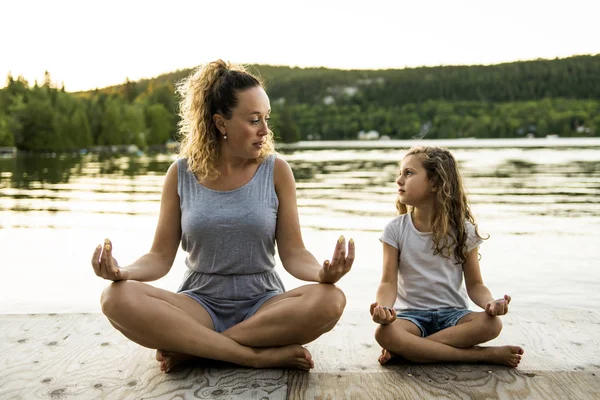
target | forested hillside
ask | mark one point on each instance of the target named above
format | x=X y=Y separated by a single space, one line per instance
x=538 y=98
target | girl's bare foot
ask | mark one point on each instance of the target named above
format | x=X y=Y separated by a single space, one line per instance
x=292 y=356
x=502 y=355
x=385 y=356
x=169 y=361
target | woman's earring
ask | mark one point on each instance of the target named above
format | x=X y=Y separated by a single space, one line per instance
x=225 y=136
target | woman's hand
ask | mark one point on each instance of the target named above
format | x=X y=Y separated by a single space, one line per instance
x=105 y=265
x=498 y=307
x=382 y=315
x=340 y=264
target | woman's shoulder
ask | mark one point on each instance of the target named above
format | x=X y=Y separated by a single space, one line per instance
x=278 y=162
x=281 y=168
x=179 y=164
x=172 y=173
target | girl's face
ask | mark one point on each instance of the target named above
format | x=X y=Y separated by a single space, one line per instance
x=414 y=189
x=247 y=129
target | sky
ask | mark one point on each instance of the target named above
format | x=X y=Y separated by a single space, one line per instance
x=90 y=43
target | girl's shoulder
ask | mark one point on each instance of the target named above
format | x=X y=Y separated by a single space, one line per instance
x=469 y=228
x=473 y=237
x=393 y=232
x=401 y=219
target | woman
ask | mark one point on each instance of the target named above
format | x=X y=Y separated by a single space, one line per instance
x=227 y=200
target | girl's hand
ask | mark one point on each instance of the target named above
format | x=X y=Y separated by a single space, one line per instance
x=382 y=315
x=498 y=307
x=340 y=264
x=105 y=265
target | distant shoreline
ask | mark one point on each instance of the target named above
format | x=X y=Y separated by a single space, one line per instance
x=358 y=145
x=450 y=143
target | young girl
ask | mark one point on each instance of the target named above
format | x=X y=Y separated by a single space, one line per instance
x=421 y=302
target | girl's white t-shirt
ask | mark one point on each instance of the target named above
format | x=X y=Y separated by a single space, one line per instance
x=426 y=281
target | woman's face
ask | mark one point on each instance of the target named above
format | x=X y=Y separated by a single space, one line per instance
x=247 y=129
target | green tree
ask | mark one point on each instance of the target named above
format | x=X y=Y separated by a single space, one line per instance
x=159 y=124
x=110 y=132
x=81 y=129
x=287 y=128
x=6 y=137
x=133 y=126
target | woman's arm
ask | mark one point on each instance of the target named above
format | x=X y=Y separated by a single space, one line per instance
x=296 y=259
x=158 y=261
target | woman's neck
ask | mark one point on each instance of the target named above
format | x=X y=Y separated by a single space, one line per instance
x=228 y=165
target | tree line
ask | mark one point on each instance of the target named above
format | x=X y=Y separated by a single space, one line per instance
x=534 y=98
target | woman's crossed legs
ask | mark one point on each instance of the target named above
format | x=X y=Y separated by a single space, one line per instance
x=180 y=327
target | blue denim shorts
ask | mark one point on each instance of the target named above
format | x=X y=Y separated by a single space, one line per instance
x=432 y=321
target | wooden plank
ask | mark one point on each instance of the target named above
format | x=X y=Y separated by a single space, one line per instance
x=447 y=382
x=82 y=356
x=74 y=356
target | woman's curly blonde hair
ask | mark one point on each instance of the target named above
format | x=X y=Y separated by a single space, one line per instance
x=211 y=89
x=451 y=207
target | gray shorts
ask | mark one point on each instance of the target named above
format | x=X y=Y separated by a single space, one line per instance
x=227 y=313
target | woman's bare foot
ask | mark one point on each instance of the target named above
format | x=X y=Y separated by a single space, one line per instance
x=292 y=356
x=170 y=360
x=385 y=356
x=502 y=355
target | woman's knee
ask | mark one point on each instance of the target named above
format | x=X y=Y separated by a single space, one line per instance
x=116 y=297
x=330 y=301
x=336 y=301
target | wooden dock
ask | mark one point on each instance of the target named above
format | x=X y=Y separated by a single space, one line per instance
x=80 y=356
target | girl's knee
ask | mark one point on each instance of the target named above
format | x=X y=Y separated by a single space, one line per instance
x=494 y=327
x=383 y=335
x=490 y=327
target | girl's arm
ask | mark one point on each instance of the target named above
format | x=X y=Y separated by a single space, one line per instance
x=296 y=259
x=477 y=291
x=158 y=261
x=382 y=311
x=388 y=288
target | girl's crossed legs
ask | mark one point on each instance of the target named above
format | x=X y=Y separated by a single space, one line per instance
x=456 y=343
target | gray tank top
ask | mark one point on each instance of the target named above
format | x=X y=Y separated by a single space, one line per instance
x=229 y=235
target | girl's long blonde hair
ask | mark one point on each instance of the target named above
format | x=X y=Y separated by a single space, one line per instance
x=211 y=89
x=451 y=207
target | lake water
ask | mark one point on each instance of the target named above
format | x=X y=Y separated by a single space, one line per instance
x=538 y=199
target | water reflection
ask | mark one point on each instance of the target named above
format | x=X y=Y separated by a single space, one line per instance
x=541 y=207
x=336 y=188
x=362 y=183
x=29 y=171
